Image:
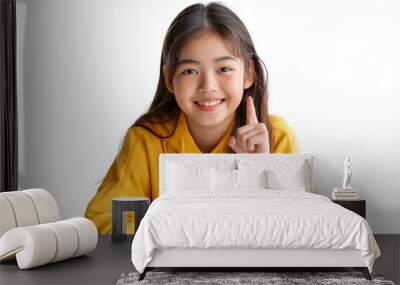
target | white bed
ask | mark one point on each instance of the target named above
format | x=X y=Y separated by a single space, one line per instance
x=236 y=210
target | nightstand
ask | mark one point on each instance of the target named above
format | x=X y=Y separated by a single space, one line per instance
x=127 y=213
x=357 y=206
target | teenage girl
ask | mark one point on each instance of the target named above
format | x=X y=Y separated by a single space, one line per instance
x=211 y=98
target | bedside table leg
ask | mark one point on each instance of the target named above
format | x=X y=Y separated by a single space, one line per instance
x=364 y=271
x=143 y=274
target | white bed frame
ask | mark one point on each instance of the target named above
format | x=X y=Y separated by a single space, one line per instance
x=250 y=257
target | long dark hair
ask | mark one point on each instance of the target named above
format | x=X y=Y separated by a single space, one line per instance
x=217 y=18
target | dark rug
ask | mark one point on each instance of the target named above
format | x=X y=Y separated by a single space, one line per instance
x=270 y=278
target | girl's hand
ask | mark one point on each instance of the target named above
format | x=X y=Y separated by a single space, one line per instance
x=252 y=137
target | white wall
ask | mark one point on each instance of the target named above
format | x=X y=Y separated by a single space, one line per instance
x=88 y=68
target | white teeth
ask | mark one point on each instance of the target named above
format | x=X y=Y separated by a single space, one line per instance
x=209 y=103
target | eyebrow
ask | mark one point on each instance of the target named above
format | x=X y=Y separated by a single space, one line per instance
x=219 y=59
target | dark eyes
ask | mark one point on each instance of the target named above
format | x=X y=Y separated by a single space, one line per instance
x=225 y=69
x=189 y=71
x=193 y=71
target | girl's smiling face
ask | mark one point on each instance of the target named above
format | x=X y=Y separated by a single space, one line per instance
x=209 y=80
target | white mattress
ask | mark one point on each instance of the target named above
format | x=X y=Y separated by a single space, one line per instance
x=250 y=218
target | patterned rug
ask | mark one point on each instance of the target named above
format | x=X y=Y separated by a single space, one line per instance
x=270 y=278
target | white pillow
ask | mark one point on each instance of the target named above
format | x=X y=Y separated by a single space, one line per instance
x=288 y=179
x=182 y=177
x=282 y=174
x=224 y=179
x=229 y=179
x=251 y=178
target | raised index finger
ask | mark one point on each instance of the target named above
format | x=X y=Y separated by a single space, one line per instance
x=251 y=117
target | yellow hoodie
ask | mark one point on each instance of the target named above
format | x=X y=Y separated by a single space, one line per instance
x=134 y=171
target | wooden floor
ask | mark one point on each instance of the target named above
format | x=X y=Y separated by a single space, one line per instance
x=388 y=263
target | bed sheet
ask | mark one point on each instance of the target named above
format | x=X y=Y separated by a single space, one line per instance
x=250 y=218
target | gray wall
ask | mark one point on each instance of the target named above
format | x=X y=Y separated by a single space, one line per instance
x=88 y=68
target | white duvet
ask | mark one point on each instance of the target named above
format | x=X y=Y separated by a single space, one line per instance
x=251 y=218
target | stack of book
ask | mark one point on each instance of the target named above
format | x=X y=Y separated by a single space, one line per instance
x=344 y=194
